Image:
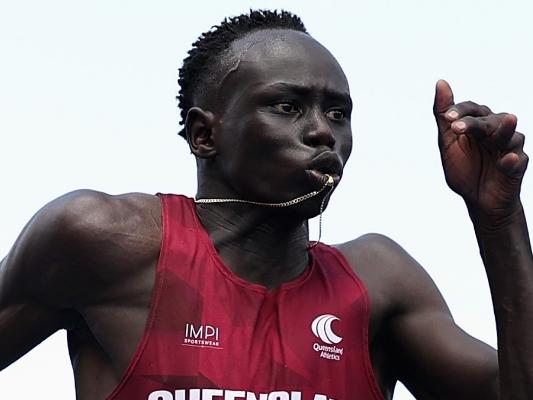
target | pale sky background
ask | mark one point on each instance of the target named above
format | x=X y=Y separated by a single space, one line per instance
x=87 y=101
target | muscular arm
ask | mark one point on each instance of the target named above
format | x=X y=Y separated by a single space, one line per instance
x=425 y=349
x=27 y=314
x=506 y=253
x=24 y=324
x=81 y=252
x=34 y=295
x=434 y=357
x=483 y=162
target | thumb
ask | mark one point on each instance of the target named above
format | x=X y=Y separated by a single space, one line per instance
x=443 y=101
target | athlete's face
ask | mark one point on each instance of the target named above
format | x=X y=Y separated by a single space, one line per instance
x=285 y=120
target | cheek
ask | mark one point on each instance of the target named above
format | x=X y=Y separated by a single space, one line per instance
x=344 y=145
x=250 y=147
x=346 y=150
x=265 y=135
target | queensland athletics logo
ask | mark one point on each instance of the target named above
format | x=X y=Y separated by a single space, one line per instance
x=322 y=329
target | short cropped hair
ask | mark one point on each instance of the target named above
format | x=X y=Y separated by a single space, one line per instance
x=200 y=72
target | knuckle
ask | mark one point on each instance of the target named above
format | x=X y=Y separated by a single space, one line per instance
x=520 y=138
x=464 y=108
x=470 y=104
x=459 y=107
x=472 y=108
x=469 y=119
x=496 y=117
x=485 y=110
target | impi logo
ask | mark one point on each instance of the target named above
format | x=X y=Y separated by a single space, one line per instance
x=321 y=328
x=201 y=336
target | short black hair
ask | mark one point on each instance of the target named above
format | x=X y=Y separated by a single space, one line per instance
x=198 y=73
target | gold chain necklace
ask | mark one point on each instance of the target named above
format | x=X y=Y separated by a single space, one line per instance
x=329 y=183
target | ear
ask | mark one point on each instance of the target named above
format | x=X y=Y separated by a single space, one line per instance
x=199 y=130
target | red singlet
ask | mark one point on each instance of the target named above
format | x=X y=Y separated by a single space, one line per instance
x=213 y=336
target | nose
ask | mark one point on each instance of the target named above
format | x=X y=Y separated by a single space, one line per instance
x=319 y=132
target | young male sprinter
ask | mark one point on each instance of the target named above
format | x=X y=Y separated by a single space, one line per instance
x=164 y=298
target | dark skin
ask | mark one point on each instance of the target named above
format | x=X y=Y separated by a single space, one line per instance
x=86 y=262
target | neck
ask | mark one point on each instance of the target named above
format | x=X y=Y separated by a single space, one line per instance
x=261 y=245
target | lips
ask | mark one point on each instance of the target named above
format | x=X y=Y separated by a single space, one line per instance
x=326 y=163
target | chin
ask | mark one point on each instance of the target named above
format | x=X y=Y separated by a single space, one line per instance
x=306 y=210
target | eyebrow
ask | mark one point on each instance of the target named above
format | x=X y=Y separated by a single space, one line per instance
x=306 y=91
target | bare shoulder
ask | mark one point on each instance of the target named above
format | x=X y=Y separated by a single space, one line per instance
x=130 y=220
x=395 y=281
x=376 y=254
x=83 y=238
x=89 y=210
x=88 y=220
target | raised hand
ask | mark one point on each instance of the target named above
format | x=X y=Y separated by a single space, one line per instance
x=482 y=154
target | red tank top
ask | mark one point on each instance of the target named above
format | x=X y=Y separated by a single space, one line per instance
x=213 y=336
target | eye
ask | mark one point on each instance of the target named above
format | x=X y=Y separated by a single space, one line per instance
x=335 y=114
x=286 y=108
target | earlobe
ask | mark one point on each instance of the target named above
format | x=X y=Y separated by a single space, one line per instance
x=199 y=126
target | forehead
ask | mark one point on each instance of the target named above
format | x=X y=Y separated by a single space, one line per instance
x=283 y=56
